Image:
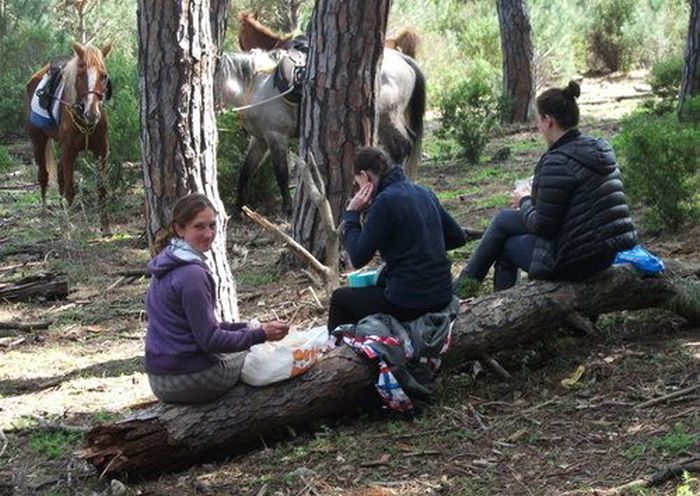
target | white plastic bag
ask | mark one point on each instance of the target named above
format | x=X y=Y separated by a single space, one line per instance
x=276 y=361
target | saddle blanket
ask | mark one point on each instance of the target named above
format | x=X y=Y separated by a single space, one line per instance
x=41 y=117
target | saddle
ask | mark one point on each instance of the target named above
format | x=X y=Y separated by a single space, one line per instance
x=47 y=93
x=290 y=70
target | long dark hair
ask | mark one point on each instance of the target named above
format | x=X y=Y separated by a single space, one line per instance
x=184 y=210
x=560 y=104
x=374 y=159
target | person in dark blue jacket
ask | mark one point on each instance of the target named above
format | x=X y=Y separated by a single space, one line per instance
x=574 y=219
x=411 y=231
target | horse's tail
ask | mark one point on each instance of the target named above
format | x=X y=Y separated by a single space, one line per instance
x=406 y=42
x=50 y=161
x=416 y=112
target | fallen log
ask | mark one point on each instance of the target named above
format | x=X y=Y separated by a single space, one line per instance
x=168 y=437
x=47 y=286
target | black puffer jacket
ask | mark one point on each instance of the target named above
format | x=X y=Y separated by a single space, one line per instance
x=577 y=208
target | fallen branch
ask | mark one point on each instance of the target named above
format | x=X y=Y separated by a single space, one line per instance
x=47 y=286
x=666 y=397
x=170 y=437
x=659 y=477
x=302 y=252
x=31 y=326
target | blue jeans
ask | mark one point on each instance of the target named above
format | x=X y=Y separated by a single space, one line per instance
x=507 y=244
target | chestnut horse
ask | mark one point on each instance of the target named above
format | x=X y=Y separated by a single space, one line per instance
x=82 y=124
x=253 y=34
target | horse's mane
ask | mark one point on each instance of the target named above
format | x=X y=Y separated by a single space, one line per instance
x=253 y=34
x=92 y=57
x=247 y=64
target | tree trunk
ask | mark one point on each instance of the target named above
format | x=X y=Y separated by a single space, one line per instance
x=339 y=105
x=516 y=45
x=691 y=70
x=177 y=55
x=168 y=437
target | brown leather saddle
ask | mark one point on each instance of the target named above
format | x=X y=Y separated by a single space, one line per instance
x=290 y=71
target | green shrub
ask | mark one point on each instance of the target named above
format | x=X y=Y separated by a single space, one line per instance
x=7 y=161
x=690 y=111
x=470 y=110
x=660 y=161
x=22 y=52
x=665 y=81
x=609 y=38
x=123 y=108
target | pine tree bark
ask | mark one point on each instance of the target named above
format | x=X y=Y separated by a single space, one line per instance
x=177 y=56
x=170 y=437
x=690 y=85
x=518 y=74
x=339 y=105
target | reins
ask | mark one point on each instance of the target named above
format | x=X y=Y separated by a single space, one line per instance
x=253 y=105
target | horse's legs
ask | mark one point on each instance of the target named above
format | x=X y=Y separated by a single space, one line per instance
x=278 y=153
x=256 y=151
x=69 y=152
x=39 y=142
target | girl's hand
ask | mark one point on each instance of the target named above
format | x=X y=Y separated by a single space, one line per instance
x=275 y=330
x=517 y=195
x=362 y=198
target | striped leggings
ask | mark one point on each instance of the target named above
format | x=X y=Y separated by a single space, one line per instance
x=202 y=386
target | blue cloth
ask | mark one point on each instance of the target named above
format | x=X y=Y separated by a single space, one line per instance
x=641 y=259
x=412 y=232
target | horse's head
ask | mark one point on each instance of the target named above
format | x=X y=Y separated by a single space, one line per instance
x=91 y=83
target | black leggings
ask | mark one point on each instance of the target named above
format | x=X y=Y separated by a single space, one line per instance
x=350 y=305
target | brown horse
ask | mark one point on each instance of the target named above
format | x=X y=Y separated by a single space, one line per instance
x=82 y=123
x=253 y=34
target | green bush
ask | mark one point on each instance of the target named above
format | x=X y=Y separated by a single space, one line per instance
x=665 y=81
x=22 y=52
x=470 y=110
x=660 y=162
x=123 y=108
x=690 y=112
x=609 y=38
x=7 y=161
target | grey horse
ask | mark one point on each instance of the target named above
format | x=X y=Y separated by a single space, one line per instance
x=247 y=80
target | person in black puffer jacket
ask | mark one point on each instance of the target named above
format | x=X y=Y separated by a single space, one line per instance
x=574 y=220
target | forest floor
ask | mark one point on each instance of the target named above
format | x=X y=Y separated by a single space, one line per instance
x=481 y=436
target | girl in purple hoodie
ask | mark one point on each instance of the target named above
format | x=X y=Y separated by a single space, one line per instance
x=190 y=354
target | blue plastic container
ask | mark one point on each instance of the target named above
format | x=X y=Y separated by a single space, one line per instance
x=363 y=279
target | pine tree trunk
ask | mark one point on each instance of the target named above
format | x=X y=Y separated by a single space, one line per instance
x=178 y=128
x=691 y=70
x=339 y=106
x=516 y=45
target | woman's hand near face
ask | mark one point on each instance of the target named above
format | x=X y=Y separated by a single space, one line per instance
x=362 y=198
x=275 y=330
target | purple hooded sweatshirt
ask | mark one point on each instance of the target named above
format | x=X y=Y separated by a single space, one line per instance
x=183 y=333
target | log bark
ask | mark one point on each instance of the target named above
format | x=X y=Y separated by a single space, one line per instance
x=46 y=286
x=177 y=55
x=168 y=437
